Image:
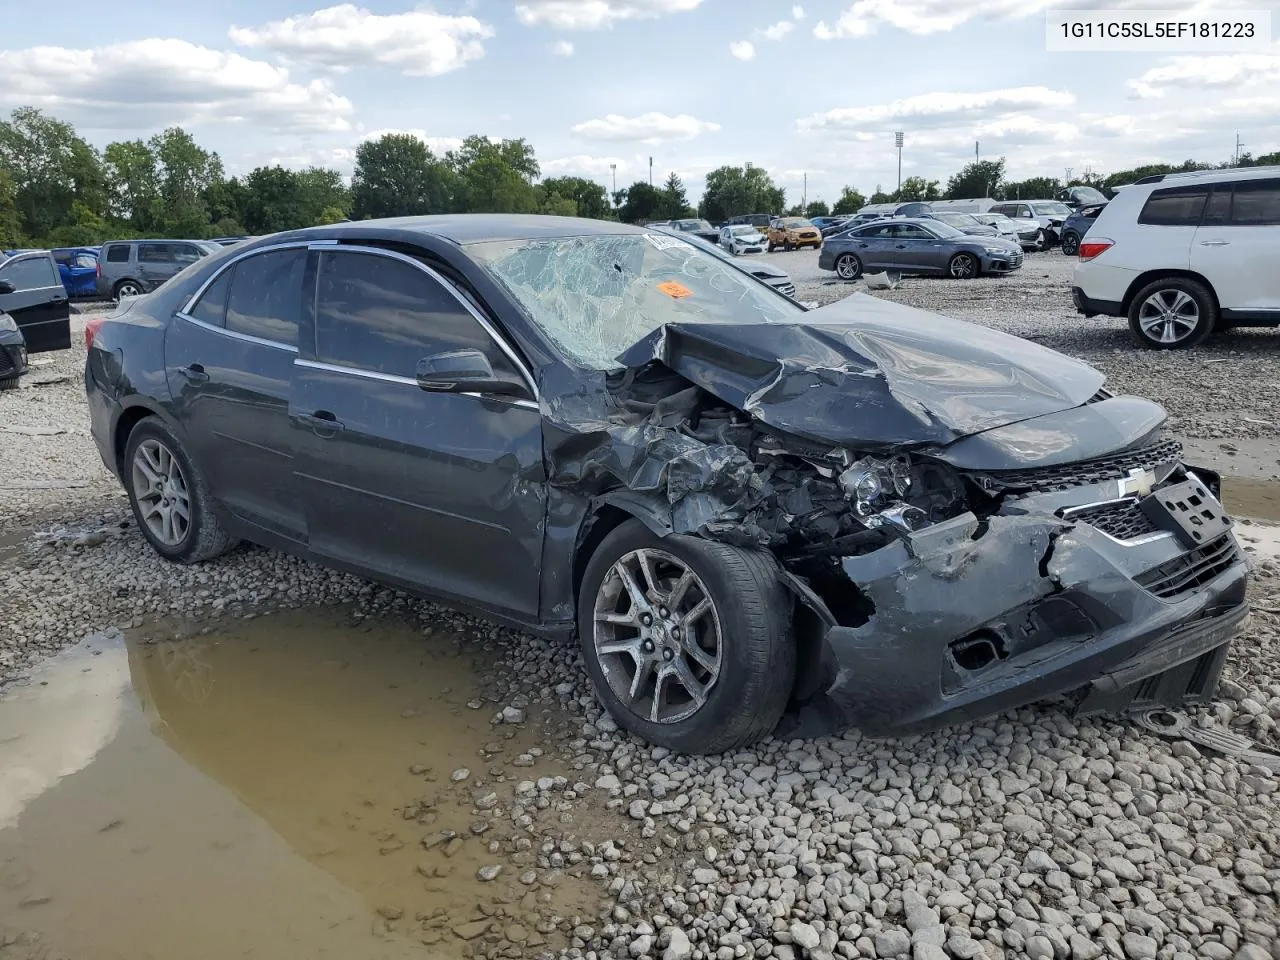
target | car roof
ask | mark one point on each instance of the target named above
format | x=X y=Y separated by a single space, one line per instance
x=465 y=228
x=1229 y=173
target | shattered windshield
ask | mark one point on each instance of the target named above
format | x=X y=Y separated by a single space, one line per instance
x=595 y=296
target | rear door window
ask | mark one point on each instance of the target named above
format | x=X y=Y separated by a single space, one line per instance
x=31 y=273
x=380 y=314
x=265 y=300
x=1256 y=203
x=118 y=253
x=212 y=305
x=1174 y=207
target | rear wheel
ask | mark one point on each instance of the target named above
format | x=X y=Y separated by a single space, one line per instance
x=1172 y=314
x=171 y=503
x=963 y=266
x=848 y=266
x=9 y=383
x=687 y=641
x=128 y=288
x=1070 y=243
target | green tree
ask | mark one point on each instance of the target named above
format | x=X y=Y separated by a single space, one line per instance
x=640 y=201
x=51 y=169
x=185 y=172
x=133 y=184
x=225 y=200
x=673 y=202
x=880 y=196
x=1122 y=177
x=85 y=228
x=981 y=178
x=10 y=219
x=917 y=188
x=588 y=196
x=495 y=177
x=398 y=175
x=851 y=201
x=555 y=205
x=331 y=215
x=277 y=199
x=1035 y=188
x=734 y=191
x=817 y=208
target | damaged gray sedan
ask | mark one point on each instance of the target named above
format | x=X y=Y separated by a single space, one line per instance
x=754 y=516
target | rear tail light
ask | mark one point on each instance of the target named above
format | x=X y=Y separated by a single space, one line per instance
x=1092 y=248
x=91 y=331
x=99 y=268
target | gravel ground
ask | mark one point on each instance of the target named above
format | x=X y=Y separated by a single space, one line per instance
x=1031 y=835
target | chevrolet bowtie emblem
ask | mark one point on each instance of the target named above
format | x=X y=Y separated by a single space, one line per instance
x=1138 y=483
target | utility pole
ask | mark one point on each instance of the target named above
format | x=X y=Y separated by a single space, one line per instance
x=804 y=194
x=976 y=158
x=613 y=168
x=651 y=171
x=1238 y=146
x=1068 y=183
x=897 y=142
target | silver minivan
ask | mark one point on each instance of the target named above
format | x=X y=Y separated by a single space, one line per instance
x=130 y=268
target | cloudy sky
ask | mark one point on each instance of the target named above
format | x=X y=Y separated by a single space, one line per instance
x=816 y=88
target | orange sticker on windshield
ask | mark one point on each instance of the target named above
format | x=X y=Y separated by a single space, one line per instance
x=673 y=289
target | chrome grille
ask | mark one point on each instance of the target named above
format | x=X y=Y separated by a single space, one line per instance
x=1068 y=475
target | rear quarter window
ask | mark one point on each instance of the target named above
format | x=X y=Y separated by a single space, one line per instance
x=1256 y=203
x=1174 y=207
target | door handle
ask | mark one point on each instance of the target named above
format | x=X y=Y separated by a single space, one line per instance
x=902 y=246
x=1214 y=243
x=322 y=422
x=194 y=373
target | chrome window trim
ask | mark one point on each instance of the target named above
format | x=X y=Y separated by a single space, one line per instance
x=406 y=381
x=236 y=335
x=488 y=328
x=186 y=308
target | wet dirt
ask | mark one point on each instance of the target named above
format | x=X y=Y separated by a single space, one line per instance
x=1249 y=497
x=285 y=786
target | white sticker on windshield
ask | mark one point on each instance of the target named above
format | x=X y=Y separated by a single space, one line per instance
x=663 y=242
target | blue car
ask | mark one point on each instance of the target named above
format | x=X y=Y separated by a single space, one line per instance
x=1077 y=225
x=78 y=267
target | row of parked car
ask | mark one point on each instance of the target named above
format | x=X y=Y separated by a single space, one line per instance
x=37 y=287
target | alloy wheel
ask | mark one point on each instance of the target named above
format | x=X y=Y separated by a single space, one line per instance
x=847 y=267
x=128 y=290
x=963 y=266
x=164 y=500
x=657 y=636
x=1169 y=316
x=1070 y=244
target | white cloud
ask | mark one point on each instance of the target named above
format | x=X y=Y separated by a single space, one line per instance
x=940 y=16
x=646 y=128
x=596 y=14
x=438 y=145
x=152 y=83
x=584 y=165
x=797 y=13
x=562 y=48
x=775 y=31
x=936 y=109
x=743 y=49
x=1221 y=72
x=419 y=43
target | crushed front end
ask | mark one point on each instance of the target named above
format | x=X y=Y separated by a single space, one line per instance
x=1115 y=580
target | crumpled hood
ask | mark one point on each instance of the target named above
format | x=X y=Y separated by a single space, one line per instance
x=871 y=372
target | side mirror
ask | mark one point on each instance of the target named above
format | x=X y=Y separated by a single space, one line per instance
x=465 y=371
x=6 y=287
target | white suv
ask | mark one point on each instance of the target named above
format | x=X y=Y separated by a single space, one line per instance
x=1184 y=254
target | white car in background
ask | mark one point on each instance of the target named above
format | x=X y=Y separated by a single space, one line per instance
x=1184 y=254
x=742 y=238
x=1008 y=228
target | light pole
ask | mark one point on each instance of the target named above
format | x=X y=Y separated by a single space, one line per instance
x=897 y=142
x=651 y=171
x=613 y=168
x=804 y=194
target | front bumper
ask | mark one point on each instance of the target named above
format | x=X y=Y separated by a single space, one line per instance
x=1001 y=262
x=1034 y=607
x=13 y=356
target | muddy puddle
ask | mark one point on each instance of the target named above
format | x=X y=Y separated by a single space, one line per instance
x=1249 y=497
x=289 y=786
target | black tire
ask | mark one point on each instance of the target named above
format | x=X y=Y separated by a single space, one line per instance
x=9 y=383
x=127 y=288
x=771 y=246
x=204 y=538
x=1070 y=243
x=757 y=650
x=852 y=266
x=788 y=246
x=1172 y=314
x=963 y=266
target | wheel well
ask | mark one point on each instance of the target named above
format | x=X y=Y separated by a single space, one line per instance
x=124 y=426
x=1151 y=275
x=599 y=525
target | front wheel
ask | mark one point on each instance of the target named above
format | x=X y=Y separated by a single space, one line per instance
x=771 y=247
x=171 y=502
x=848 y=266
x=687 y=641
x=1172 y=314
x=9 y=383
x=1070 y=244
x=963 y=266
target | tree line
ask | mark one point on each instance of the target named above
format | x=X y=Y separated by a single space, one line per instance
x=58 y=190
